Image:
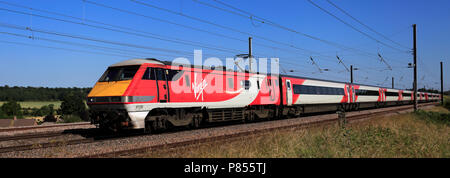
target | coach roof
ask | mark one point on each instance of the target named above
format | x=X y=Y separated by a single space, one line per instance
x=137 y=62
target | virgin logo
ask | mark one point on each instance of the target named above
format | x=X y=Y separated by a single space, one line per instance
x=198 y=87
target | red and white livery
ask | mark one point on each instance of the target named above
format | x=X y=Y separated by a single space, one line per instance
x=156 y=95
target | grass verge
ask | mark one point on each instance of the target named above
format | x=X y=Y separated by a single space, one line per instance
x=412 y=135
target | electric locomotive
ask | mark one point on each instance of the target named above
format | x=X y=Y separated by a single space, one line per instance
x=155 y=95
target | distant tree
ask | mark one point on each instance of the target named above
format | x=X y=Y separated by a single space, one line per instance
x=26 y=111
x=12 y=108
x=447 y=92
x=2 y=115
x=428 y=90
x=36 y=112
x=37 y=93
x=73 y=104
x=47 y=110
x=50 y=118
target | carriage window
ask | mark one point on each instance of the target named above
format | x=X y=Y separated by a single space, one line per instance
x=128 y=73
x=245 y=84
x=160 y=74
x=361 y=92
x=149 y=74
x=317 y=90
x=391 y=94
x=110 y=75
x=309 y=89
x=331 y=90
x=230 y=83
x=174 y=75
x=119 y=73
x=187 y=80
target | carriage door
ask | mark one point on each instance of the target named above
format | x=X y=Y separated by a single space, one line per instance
x=353 y=95
x=349 y=94
x=288 y=93
x=161 y=83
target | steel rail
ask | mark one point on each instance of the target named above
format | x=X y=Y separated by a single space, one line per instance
x=9 y=129
x=45 y=145
x=30 y=136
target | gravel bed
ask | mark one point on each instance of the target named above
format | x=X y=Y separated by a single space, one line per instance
x=37 y=141
x=106 y=146
x=46 y=130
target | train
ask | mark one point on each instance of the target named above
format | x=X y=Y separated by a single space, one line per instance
x=155 y=95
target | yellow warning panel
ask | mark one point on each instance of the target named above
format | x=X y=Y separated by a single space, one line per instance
x=115 y=88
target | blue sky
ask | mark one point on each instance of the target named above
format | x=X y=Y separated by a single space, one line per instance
x=26 y=62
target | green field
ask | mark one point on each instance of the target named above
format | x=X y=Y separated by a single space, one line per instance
x=36 y=104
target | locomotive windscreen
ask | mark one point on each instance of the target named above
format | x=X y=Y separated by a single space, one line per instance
x=119 y=73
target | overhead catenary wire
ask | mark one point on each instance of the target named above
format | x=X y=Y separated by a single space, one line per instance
x=136 y=33
x=429 y=73
x=128 y=12
x=384 y=61
x=146 y=16
x=405 y=28
x=89 y=45
x=354 y=28
x=65 y=49
x=84 y=45
x=297 y=49
x=102 y=23
x=265 y=21
x=371 y=29
x=113 y=50
x=342 y=62
x=47 y=39
x=24 y=28
x=134 y=13
x=268 y=22
x=216 y=24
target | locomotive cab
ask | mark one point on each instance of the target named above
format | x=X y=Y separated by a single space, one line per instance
x=123 y=85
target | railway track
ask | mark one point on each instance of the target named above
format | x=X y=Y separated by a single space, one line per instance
x=34 y=133
x=328 y=119
x=45 y=145
x=10 y=129
x=30 y=136
x=89 y=136
x=38 y=136
x=95 y=137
